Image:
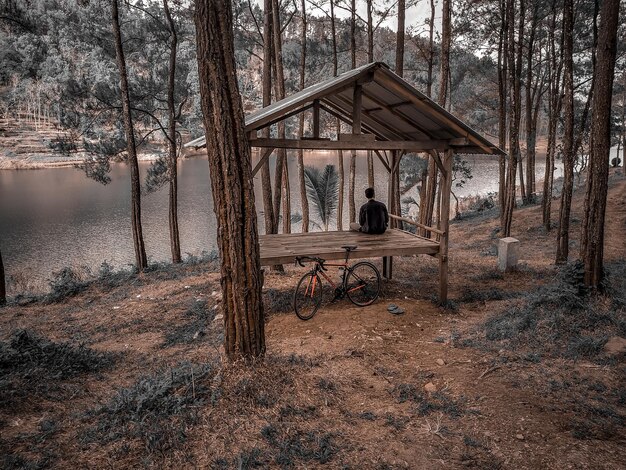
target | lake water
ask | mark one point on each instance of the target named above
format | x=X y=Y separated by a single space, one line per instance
x=53 y=218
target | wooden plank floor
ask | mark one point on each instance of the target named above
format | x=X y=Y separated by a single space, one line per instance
x=283 y=248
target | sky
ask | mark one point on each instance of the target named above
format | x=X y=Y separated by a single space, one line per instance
x=415 y=15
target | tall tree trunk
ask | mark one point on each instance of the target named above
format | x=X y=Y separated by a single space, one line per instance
x=370 y=31
x=231 y=181
x=515 y=110
x=171 y=140
x=340 y=168
x=562 y=238
x=444 y=63
x=554 y=111
x=400 y=38
x=370 y=59
x=3 y=288
x=503 y=50
x=427 y=206
x=592 y=233
x=533 y=91
x=352 y=169
x=141 y=260
x=431 y=50
x=304 y=202
x=266 y=182
x=281 y=181
x=399 y=71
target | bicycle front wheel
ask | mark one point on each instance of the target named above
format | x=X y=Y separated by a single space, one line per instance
x=308 y=296
x=363 y=284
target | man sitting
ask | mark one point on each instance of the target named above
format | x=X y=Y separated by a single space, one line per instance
x=373 y=216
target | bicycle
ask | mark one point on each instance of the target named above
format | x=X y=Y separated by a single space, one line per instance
x=359 y=282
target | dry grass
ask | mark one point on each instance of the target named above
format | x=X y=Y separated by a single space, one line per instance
x=343 y=390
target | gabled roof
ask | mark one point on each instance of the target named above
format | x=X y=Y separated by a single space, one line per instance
x=392 y=109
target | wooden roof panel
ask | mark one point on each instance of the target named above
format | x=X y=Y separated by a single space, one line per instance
x=401 y=112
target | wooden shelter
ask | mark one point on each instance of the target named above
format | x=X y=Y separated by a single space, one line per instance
x=389 y=117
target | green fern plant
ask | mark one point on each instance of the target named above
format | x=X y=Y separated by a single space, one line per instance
x=322 y=191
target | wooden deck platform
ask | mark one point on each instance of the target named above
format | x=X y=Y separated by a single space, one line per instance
x=283 y=248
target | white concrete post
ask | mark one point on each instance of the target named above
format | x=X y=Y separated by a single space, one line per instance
x=508 y=249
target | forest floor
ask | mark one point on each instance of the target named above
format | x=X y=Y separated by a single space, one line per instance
x=522 y=370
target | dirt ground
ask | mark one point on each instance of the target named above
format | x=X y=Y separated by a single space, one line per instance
x=351 y=388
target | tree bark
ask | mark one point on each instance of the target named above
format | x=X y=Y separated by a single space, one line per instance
x=400 y=38
x=340 y=168
x=231 y=181
x=515 y=110
x=562 y=238
x=370 y=31
x=3 y=288
x=503 y=45
x=444 y=63
x=370 y=59
x=304 y=202
x=281 y=181
x=592 y=232
x=554 y=111
x=352 y=168
x=171 y=140
x=266 y=182
x=431 y=50
x=427 y=206
x=141 y=259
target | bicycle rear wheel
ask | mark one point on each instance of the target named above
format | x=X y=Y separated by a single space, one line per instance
x=363 y=284
x=308 y=296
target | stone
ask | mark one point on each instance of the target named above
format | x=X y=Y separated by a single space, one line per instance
x=615 y=346
x=519 y=436
x=430 y=387
x=441 y=362
x=508 y=252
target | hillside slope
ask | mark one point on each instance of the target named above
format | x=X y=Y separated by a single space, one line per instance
x=501 y=380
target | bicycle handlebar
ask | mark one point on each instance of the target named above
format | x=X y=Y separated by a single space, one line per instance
x=307 y=259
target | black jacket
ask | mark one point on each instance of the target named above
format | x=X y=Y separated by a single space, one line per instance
x=373 y=217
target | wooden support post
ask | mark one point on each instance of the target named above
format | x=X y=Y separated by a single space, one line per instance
x=357 y=105
x=265 y=154
x=388 y=267
x=316 y=119
x=444 y=217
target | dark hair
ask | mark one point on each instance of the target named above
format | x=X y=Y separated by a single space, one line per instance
x=369 y=193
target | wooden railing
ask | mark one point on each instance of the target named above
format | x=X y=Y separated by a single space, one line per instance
x=417 y=224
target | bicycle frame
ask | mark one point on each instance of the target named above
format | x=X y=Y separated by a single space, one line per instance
x=344 y=278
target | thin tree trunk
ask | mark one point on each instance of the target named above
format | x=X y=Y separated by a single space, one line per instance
x=141 y=259
x=370 y=59
x=515 y=74
x=280 y=193
x=271 y=225
x=304 y=202
x=431 y=49
x=592 y=233
x=428 y=205
x=370 y=31
x=400 y=38
x=340 y=168
x=3 y=289
x=399 y=71
x=503 y=45
x=352 y=168
x=171 y=141
x=554 y=111
x=562 y=238
x=444 y=63
x=231 y=181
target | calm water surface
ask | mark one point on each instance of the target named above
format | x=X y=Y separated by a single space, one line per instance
x=54 y=218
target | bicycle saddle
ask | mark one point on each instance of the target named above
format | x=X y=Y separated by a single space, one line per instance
x=349 y=247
